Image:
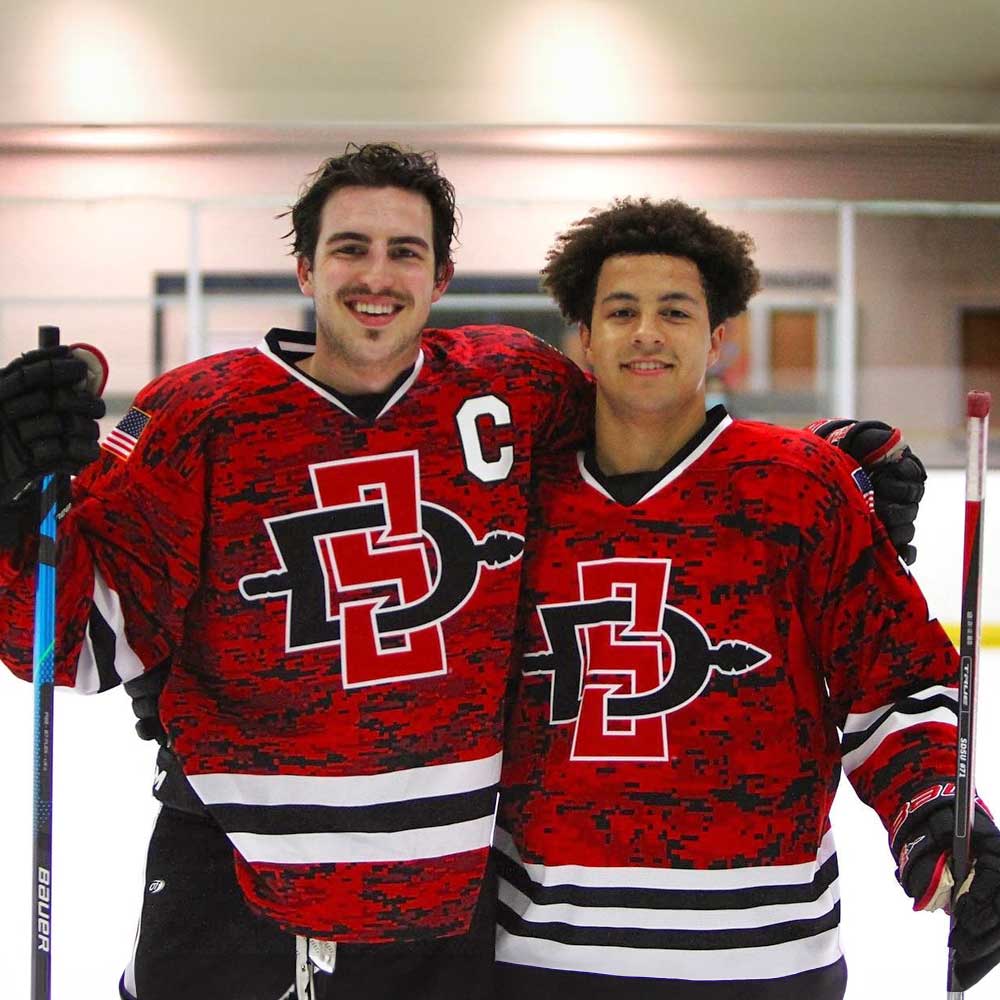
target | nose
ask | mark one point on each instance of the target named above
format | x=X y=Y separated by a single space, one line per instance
x=376 y=270
x=647 y=332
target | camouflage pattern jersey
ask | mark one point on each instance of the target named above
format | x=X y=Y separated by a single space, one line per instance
x=337 y=596
x=701 y=659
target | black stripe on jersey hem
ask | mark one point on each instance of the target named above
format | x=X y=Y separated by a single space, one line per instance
x=668 y=899
x=669 y=940
x=102 y=641
x=909 y=706
x=389 y=817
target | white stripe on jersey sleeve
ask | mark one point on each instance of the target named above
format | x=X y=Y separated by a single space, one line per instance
x=351 y=790
x=858 y=722
x=127 y=664
x=895 y=722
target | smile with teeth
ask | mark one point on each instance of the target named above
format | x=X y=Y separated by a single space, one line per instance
x=375 y=308
x=646 y=366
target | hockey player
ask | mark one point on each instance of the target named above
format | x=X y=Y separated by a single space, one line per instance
x=288 y=642
x=710 y=600
x=322 y=537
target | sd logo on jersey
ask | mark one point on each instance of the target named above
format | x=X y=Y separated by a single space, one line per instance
x=621 y=659
x=371 y=531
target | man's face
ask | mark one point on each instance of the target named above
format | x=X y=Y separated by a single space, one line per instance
x=372 y=281
x=649 y=341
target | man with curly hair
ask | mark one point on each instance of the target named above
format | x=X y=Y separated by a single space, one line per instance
x=709 y=601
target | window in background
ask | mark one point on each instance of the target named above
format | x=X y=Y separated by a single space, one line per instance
x=794 y=349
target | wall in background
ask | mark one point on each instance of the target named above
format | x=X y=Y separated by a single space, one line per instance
x=914 y=274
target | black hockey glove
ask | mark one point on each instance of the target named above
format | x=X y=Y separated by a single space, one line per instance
x=896 y=474
x=145 y=693
x=924 y=845
x=48 y=420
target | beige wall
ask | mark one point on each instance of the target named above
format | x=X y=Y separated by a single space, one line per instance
x=913 y=273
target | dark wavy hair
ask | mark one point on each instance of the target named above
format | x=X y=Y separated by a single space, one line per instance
x=640 y=226
x=376 y=165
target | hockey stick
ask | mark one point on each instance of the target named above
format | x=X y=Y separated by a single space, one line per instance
x=978 y=410
x=43 y=676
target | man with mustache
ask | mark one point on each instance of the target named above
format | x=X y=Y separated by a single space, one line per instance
x=321 y=536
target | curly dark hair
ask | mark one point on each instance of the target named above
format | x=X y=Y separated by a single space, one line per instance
x=376 y=165
x=640 y=226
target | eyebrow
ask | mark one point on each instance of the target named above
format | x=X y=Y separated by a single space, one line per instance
x=362 y=238
x=666 y=297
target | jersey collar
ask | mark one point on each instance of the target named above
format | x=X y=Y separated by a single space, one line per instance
x=633 y=488
x=286 y=347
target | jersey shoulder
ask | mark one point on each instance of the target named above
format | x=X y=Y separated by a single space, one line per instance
x=179 y=411
x=500 y=348
x=198 y=381
x=753 y=441
x=787 y=459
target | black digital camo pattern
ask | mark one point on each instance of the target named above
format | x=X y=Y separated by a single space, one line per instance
x=337 y=596
x=687 y=663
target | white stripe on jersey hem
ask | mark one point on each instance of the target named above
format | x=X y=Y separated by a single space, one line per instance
x=896 y=723
x=670 y=476
x=265 y=349
x=586 y=876
x=858 y=722
x=339 y=848
x=712 y=965
x=127 y=663
x=642 y=918
x=350 y=790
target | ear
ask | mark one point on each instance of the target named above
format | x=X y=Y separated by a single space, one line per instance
x=303 y=271
x=715 y=344
x=442 y=281
x=585 y=338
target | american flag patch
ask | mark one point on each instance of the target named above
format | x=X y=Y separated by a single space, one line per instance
x=123 y=439
x=864 y=484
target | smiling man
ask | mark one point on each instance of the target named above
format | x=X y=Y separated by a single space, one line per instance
x=708 y=602
x=368 y=276
x=317 y=541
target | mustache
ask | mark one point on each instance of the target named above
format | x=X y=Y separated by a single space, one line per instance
x=352 y=290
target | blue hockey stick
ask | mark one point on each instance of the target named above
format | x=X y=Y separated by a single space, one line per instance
x=43 y=678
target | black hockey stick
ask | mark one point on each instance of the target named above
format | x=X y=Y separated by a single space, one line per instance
x=978 y=411
x=43 y=676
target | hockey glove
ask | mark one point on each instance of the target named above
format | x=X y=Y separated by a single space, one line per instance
x=145 y=692
x=896 y=474
x=48 y=419
x=924 y=847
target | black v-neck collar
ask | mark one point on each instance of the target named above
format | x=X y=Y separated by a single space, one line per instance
x=630 y=487
x=366 y=405
x=288 y=347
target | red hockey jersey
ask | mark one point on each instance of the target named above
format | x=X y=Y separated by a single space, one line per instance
x=337 y=597
x=673 y=750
